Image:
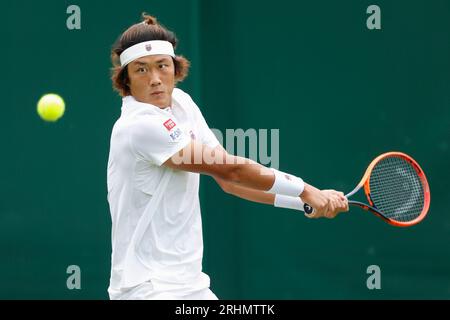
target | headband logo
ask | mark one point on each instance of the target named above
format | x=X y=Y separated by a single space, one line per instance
x=148 y=47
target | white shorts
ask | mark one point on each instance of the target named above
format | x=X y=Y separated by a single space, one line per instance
x=146 y=291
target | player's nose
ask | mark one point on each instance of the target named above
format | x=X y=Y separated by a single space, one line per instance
x=154 y=79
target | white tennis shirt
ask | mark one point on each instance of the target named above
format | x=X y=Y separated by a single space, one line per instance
x=155 y=211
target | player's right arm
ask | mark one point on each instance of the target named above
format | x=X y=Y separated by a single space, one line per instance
x=248 y=176
x=159 y=141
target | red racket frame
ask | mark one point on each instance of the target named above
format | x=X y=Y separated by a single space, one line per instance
x=365 y=182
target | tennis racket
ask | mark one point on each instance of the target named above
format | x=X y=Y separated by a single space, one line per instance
x=396 y=188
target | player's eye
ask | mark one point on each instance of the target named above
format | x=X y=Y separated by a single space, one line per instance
x=163 y=66
x=142 y=70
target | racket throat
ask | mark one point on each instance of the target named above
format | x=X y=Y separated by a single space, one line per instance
x=348 y=195
x=367 y=207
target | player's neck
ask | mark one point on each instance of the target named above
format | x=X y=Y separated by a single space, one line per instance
x=161 y=106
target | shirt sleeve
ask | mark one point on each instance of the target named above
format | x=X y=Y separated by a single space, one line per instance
x=156 y=139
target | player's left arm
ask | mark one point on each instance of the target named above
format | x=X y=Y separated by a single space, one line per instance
x=262 y=196
x=245 y=193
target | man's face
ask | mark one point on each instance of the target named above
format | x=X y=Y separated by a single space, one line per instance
x=152 y=79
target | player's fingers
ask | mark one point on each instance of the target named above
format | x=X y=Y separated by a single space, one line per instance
x=342 y=204
x=346 y=205
x=339 y=194
x=332 y=209
x=338 y=206
x=323 y=211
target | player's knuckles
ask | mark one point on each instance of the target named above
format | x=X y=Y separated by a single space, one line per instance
x=335 y=197
x=322 y=206
x=331 y=212
x=336 y=203
x=324 y=211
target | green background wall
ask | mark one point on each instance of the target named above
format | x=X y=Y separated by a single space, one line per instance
x=340 y=94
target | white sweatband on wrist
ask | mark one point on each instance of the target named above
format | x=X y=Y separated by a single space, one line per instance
x=147 y=48
x=288 y=202
x=286 y=184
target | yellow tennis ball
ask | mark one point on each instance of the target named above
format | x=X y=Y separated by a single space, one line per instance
x=51 y=107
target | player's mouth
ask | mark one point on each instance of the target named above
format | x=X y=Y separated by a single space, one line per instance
x=157 y=93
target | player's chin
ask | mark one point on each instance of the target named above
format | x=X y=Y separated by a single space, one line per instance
x=160 y=100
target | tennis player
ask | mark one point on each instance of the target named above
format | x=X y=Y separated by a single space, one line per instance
x=159 y=146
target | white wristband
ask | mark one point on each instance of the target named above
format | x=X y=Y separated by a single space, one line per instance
x=286 y=184
x=287 y=202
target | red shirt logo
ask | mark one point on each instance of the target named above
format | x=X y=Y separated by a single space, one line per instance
x=169 y=124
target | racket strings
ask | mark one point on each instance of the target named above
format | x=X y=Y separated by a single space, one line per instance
x=396 y=189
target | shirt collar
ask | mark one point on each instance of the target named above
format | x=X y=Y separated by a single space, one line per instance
x=130 y=104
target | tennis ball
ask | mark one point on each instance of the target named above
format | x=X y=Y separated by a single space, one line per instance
x=51 y=107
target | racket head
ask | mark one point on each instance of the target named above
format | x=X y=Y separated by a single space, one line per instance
x=397 y=189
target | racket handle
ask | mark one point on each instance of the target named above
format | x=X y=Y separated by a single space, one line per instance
x=308 y=209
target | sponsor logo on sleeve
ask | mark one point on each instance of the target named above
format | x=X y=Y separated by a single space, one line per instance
x=175 y=134
x=175 y=131
x=169 y=124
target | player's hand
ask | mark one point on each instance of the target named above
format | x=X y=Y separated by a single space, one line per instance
x=317 y=199
x=326 y=203
x=337 y=203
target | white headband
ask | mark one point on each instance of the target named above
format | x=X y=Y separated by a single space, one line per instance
x=148 y=48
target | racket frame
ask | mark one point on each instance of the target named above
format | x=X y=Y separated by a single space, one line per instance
x=365 y=182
